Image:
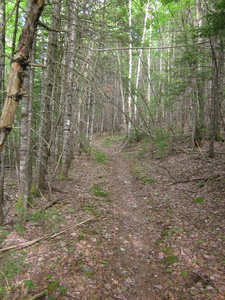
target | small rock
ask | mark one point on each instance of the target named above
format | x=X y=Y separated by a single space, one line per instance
x=128 y=281
x=108 y=286
x=41 y=259
x=158 y=286
x=161 y=255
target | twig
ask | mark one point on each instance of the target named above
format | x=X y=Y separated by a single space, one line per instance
x=148 y=48
x=126 y=141
x=39 y=295
x=123 y=146
x=165 y=169
x=200 y=150
x=37 y=65
x=49 y=204
x=6 y=280
x=184 y=150
x=50 y=28
x=71 y=296
x=194 y=179
x=49 y=236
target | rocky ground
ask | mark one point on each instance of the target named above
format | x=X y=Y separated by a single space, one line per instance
x=135 y=224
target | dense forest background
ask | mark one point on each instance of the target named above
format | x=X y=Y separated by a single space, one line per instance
x=148 y=69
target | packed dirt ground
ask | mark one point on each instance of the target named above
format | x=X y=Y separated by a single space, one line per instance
x=136 y=224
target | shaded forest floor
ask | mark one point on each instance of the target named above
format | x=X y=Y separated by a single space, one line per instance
x=154 y=229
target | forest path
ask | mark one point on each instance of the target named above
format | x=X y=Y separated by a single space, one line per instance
x=154 y=229
x=132 y=236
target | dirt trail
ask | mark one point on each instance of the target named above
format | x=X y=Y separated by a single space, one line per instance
x=157 y=232
x=132 y=239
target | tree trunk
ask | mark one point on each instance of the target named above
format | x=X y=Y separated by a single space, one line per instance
x=13 y=48
x=69 y=96
x=130 y=71
x=25 y=142
x=16 y=74
x=123 y=105
x=44 y=142
x=2 y=68
x=216 y=93
x=140 y=58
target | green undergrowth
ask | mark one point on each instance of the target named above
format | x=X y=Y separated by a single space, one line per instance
x=161 y=142
x=98 y=155
x=158 y=143
x=91 y=208
x=167 y=233
x=11 y=265
x=140 y=174
x=49 y=220
x=3 y=234
x=167 y=239
x=98 y=191
x=63 y=176
x=170 y=258
x=108 y=141
x=199 y=200
x=145 y=145
x=94 y=205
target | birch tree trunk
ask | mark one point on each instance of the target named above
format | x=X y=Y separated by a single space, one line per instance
x=16 y=74
x=2 y=67
x=139 y=62
x=130 y=71
x=121 y=90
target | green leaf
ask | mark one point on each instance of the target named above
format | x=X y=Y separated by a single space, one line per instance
x=169 y=271
x=104 y=262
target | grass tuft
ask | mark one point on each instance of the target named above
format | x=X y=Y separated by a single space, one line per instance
x=99 y=156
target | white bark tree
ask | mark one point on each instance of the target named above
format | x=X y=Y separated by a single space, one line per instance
x=2 y=68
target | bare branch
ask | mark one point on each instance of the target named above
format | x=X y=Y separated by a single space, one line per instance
x=50 y=28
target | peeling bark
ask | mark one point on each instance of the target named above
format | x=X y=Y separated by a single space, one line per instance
x=17 y=71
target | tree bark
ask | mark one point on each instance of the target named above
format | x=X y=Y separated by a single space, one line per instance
x=140 y=58
x=44 y=142
x=17 y=71
x=2 y=68
x=68 y=122
x=130 y=71
x=216 y=92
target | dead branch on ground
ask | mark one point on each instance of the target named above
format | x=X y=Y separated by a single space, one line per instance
x=49 y=236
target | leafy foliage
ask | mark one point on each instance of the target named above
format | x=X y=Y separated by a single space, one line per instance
x=214 y=25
